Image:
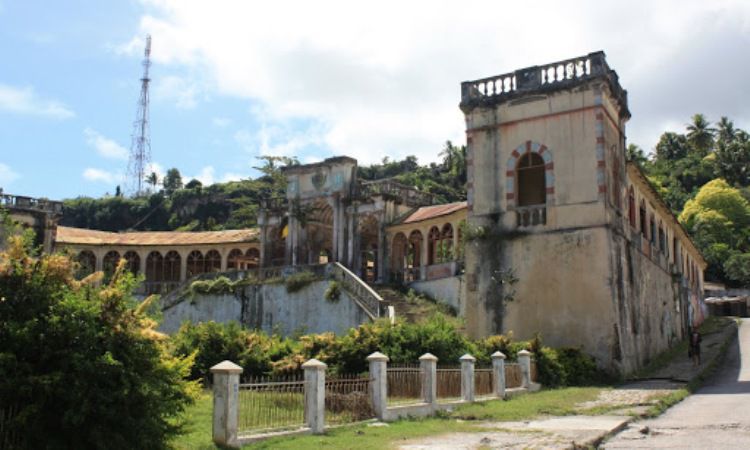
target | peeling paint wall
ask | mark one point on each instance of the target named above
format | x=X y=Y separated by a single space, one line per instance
x=269 y=307
x=445 y=290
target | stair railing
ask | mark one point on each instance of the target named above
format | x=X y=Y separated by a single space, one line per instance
x=363 y=294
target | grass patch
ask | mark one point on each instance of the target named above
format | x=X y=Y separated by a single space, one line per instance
x=198 y=425
x=363 y=437
x=555 y=402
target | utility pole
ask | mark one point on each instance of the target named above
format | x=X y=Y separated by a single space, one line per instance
x=140 y=147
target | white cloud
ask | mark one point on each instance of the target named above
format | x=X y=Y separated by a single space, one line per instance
x=23 y=100
x=104 y=146
x=132 y=47
x=7 y=175
x=178 y=90
x=206 y=176
x=221 y=122
x=384 y=79
x=100 y=175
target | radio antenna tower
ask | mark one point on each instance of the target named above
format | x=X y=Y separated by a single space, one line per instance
x=140 y=147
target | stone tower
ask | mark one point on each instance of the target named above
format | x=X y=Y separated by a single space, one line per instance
x=546 y=174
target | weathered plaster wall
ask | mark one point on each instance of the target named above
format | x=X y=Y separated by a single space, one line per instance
x=446 y=290
x=271 y=308
x=564 y=289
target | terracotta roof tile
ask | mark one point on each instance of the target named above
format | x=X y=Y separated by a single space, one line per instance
x=68 y=235
x=429 y=212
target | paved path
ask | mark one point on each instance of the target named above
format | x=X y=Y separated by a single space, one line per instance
x=715 y=417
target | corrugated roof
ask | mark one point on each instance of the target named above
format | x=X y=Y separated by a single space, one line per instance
x=430 y=212
x=68 y=235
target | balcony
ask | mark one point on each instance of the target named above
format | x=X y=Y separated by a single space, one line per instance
x=531 y=216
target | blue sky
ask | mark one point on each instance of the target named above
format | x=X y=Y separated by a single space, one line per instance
x=236 y=79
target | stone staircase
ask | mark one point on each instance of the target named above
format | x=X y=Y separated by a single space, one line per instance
x=413 y=308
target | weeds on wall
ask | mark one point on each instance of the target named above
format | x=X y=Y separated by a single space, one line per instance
x=299 y=280
x=220 y=285
x=333 y=292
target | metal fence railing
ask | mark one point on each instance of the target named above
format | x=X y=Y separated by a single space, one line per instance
x=271 y=404
x=347 y=399
x=483 y=381
x=534 y=372
x=448 y=382
x=404 y=384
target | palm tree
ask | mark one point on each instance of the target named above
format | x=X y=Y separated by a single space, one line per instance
x=727 y=131
x=153 y=180
x=700 y=134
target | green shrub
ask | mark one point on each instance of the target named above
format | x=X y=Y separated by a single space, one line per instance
x=219 y=285
x=333 y=292
x=298 y=281
x=82 y=363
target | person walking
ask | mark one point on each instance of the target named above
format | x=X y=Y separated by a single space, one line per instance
x=695 y=347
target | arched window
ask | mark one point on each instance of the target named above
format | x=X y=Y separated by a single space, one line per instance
x=446 y=243
x=414 y=257
x=87 y=261
x=433 y=241
x=213 y=261
x=530 y=179
x=234 y=260
x=631 y=206
x=196 y=264
x=172 y=266
x=642 y=215
x=109 y=263
x=398 y=255
x=253 y=258
x=154 y=267
x=652 y=229
x=133 y=262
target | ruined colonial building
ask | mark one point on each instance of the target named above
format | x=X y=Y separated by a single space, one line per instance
x=560 y=234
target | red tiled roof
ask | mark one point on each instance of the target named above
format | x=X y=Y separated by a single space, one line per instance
x=68 y=235
x=430 y=212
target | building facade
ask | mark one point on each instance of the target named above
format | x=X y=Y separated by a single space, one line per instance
x=560 y=234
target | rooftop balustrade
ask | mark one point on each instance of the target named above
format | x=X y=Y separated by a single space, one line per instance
x=20 y=202
x=547 y=77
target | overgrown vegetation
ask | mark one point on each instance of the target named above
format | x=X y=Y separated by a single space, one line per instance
x=704 y=177
x=81 y=365
x=298 y=281
x=333 y=292
x=263 y=354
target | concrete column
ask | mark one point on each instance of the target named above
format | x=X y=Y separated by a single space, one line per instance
x=428 y=366
x=334 y=204
x=226 y=377
x=143 y=255
x=455 y=242
x=315 y=395
x=183 y=264
x=341 y=233
x=350 y=232
x=524 y=360
x=379 y=385
x=224 y=252
x=99 y=262
x=263 y=258
x=382 y=246
x=498 y=374
x=467 y=377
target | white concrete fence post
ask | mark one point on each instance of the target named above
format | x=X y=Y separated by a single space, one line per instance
x=226 y=378
x=315 y=395
x=467 y=377
x=428 y=368
x=524 y=360
x=498 y=374
x=379 y=384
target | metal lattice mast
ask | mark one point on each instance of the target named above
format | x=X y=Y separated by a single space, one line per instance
x=140 y=147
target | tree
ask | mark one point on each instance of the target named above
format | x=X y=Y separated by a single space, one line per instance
x=700 y=134
x=718 y=219
x=81 y=366
x=193 y=184
x=153 y=180
x=733 y=158
x=172 y=181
